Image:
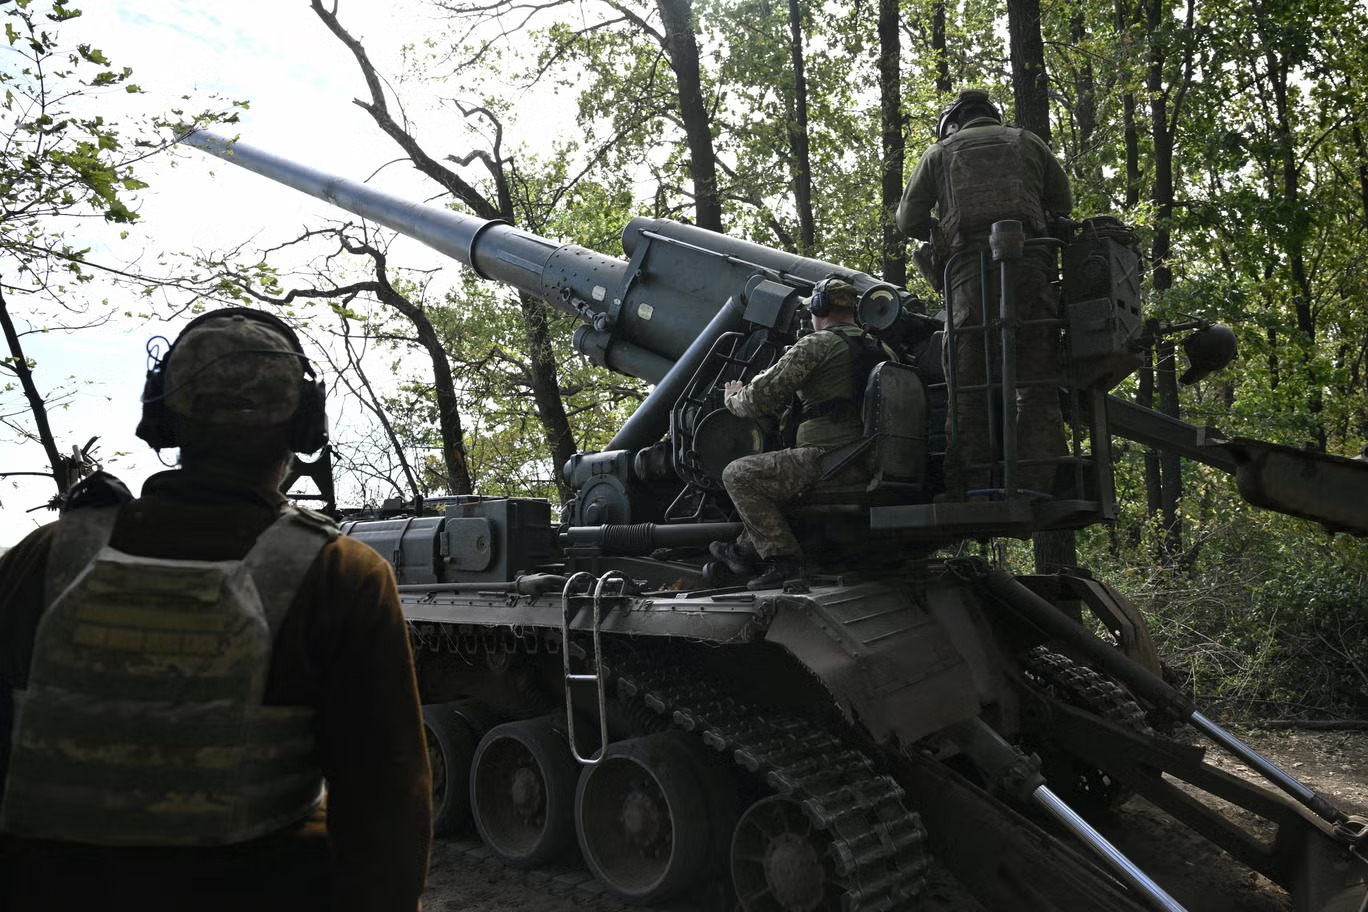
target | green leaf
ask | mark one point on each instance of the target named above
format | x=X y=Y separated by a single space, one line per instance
x=92 y=54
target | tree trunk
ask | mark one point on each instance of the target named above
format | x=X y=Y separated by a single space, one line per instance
x=1170 y=463
x=61 y=475
x=1132 y=150
x=1362 y=150
x=1124 y=15
x=1085 y=84
x=1162 y=196
x=1279 y=70
x=681 y=44
x=1056 y=549
x=546 y=392
x=1274 y=364
x=894 y=143
x=798 y=135
x=943 y=83
x=542 y=369
x=449 y=426
x=1144 y=396
x=1027 y=50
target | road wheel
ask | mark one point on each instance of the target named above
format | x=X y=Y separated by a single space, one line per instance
x=522 y=793
x=450 y=747
x=781 y=863
x=642 y=818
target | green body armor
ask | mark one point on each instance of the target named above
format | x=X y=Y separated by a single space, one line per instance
x=143 y=722
x=985 y=179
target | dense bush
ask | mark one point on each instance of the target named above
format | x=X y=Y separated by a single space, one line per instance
x=1262 y=616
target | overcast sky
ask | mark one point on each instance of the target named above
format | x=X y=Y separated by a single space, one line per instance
x=299 y=81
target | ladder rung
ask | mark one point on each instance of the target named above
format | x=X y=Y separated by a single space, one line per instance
x=581 y=677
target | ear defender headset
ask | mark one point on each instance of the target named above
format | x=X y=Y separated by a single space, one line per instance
x=308 y=426
x=822 y=302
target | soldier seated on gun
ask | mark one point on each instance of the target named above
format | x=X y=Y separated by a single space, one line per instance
x=181 y=671
x=827 y=369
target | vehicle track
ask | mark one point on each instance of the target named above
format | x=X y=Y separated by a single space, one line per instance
x=878 y=845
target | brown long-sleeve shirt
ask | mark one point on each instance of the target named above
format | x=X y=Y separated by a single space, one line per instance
x=342 y=649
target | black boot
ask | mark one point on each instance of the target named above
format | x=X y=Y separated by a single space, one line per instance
x=776 y=572
x=736 y=559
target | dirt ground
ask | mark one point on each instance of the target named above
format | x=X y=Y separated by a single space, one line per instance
x=1201 y=877
x=1205 y=879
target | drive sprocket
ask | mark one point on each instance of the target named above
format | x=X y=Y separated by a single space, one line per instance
x=1084 y=786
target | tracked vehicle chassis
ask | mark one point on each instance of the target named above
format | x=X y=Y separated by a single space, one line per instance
x=779 y=693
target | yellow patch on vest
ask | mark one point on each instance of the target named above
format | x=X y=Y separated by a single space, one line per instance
x=172 y=613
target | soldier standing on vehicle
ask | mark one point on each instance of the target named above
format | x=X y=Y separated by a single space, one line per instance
x=827 y=369
x=180 y=673
x=977 y=173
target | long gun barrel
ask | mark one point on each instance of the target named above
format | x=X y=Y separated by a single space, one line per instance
x=640 y=315
x=656 y=315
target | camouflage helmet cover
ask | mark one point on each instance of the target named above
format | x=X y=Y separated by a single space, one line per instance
x=832 y=294
x=235 y=371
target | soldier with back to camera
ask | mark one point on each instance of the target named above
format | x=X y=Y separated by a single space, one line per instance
x=827 y=369
x=977 y=173
x=180 y=673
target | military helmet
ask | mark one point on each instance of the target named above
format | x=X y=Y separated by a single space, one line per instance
x=236 y=367
x=969 y=101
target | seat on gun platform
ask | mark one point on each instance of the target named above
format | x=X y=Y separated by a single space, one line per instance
x=893 y=446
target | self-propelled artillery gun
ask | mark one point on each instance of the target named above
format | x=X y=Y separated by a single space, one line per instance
x=595 y=685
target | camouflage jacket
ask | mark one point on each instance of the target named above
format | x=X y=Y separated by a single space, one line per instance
x=1044 y=179
x=817 y=369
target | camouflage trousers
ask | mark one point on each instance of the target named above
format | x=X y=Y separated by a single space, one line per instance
x=1038 y=424
x=761 y=485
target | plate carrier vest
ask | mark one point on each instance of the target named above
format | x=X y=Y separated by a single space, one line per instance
x=866 y=353
x=143 y=721
x=983 y=181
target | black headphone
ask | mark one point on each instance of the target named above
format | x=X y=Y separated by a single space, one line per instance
x=308 y=428
x=822 y=302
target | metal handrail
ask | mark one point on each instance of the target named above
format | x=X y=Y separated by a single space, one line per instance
x=595 y=659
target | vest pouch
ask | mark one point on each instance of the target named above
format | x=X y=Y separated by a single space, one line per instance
x=984 y=181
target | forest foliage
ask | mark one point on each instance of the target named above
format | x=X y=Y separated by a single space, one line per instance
x=67 y=170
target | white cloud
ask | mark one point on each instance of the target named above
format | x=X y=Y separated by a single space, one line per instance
x=300 y=82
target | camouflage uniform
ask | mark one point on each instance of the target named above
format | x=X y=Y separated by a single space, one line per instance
x=817 y=368
x=1039 y=424
x=1039 y=185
